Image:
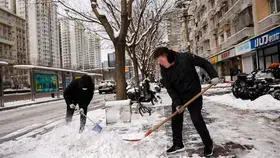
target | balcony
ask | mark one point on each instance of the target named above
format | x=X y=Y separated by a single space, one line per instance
x=211 y=12
x=269 y=22
x=202 y=22
x=6 y=40
x=205 y=54
x=204 y=38
x=239 y=36
x=6 y=21
x=224 y=22
x=215 y=50
x=237 y=8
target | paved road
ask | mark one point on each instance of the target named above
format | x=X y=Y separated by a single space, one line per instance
x=38 y=116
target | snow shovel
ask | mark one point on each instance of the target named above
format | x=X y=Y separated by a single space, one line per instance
x=96 y=127
x=171 y=116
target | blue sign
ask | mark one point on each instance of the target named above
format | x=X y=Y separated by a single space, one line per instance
x=45 y=83
x=243 y=48
x=266 y=39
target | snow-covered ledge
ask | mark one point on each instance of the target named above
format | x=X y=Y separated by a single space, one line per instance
x=3 y=63
x=118 y=111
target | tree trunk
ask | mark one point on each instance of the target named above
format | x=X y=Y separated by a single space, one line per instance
x=120 y=69
x=135 y=67
x=143 y=73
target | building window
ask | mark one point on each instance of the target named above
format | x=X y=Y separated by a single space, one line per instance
x=228 y=32
x=274 y=6
x=222 y=39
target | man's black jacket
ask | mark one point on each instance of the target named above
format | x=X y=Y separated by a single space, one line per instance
x=74 y=93
x=181 y=79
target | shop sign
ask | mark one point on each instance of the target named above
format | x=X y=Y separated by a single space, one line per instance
x=213 y=59
x=226 y=55
x=266 y=39
x=243 y=48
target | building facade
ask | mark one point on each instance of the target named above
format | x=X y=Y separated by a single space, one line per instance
x=235 y=33
x=65 y=43
x=175 y=27
x=43 y=33
x=13 y=45
x=216 y=26
x=79 y=49
x=265 y=45
x=94 y=55
x=9 y=5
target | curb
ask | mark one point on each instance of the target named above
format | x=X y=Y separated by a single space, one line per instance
x=29 y=104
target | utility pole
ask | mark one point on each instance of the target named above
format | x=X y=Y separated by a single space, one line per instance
x=184 y=6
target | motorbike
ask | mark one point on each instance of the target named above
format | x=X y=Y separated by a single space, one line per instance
x=142 y=94
x=257 y=83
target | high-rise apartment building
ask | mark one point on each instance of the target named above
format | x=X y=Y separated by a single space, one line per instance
x=43 y=33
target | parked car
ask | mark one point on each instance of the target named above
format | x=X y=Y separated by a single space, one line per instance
x=108 y=86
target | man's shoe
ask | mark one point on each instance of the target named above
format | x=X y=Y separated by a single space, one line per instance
x=208 y=150
x=175 y=149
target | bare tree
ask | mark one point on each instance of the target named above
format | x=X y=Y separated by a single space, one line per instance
x=119 y=38
x=125 y=32
x=147 y=15
x=145 y=50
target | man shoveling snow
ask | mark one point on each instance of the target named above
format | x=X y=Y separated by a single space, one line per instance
x=80 y=91
x=182 y=83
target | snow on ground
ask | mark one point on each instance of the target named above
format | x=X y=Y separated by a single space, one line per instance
x=265 y=102
x=65 y=141
x=248 y=129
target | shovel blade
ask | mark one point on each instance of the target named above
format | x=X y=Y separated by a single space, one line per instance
x=97 y=128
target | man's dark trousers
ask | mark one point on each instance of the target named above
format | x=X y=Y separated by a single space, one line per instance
x=70 y=112
x=197 y=119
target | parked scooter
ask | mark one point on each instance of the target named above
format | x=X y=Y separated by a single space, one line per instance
x=257 y=83
x=142 y=94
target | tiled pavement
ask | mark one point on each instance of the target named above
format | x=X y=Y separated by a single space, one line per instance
x=192 y=141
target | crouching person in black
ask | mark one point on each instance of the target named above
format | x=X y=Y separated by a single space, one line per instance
x=79 y=91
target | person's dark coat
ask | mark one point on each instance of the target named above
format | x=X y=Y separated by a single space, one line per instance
x=74 y=93
x=181 y=79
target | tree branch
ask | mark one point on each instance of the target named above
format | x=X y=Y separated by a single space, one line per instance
x=79 y=13
x=104 y=21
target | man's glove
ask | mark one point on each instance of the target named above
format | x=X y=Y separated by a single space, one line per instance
x=178 y=109
x=72 y=106
x=215 y=81
x=82 y=111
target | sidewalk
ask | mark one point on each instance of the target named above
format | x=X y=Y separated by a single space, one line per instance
x=23 y=103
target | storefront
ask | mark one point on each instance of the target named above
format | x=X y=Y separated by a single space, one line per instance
x=213 y=60
x=248 y=56
x=228 y=60
x=267 y=47
x=224 y=61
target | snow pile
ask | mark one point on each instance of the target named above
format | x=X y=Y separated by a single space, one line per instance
x=118 y=111
x=219 y=85
x=65 y=141
x=153 y=87
x=218 y=90
x=265 y=102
